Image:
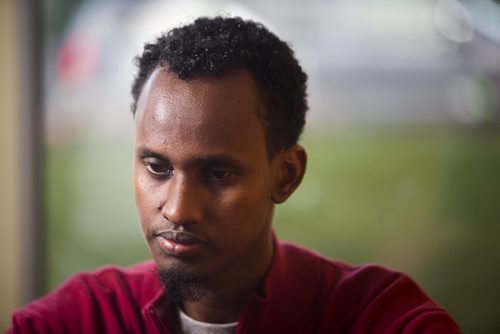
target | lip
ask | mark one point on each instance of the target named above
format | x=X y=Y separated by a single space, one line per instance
x=179 y=244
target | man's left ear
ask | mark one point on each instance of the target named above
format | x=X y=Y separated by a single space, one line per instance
x=291 y=169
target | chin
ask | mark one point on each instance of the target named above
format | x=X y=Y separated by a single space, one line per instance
x=165 y=262
x=183 y=285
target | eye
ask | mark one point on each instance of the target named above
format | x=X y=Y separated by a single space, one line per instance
x=158 y=169
x=219 y=174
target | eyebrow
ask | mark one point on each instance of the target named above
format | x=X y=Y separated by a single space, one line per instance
x=212 y=159
x=145 y=152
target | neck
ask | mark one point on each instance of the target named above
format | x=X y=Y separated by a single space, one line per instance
x=229 y=291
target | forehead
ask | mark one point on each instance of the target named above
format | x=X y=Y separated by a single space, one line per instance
x=218 y=113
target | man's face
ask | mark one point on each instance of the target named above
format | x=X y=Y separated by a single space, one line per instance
x=203 y=179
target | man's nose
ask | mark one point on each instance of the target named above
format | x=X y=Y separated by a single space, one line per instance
x=183 y=202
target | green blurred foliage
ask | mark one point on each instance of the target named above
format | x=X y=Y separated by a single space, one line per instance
x=57 y=14
x=419 y=199
x=91 y=215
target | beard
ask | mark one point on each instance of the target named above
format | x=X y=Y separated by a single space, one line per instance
x=183 y=286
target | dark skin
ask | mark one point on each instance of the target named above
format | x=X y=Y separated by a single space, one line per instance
x=206 y=187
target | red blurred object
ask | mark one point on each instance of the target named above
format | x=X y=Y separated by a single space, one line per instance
x=77 y=58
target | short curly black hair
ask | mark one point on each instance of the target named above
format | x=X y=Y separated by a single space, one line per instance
x=210 y=47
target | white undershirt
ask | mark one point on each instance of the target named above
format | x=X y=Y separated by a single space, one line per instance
x=190 y=326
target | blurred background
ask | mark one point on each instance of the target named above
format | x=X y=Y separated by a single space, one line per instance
x=403 y=137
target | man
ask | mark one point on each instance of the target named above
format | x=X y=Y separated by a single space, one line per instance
x=219 y=106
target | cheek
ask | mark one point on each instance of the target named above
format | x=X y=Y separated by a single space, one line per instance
x=144 y=199
x=245 y=212
x=139 y=191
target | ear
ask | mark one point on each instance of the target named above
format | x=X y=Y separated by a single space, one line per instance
x=292 y=166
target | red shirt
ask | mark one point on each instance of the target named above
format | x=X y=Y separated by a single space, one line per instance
x=303 y=293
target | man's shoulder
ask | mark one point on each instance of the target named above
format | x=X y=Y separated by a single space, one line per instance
x=337 y=279
x=112 y=279
x=92 y=296
x=362 y=298
x=294 y=256
x=107 y=280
